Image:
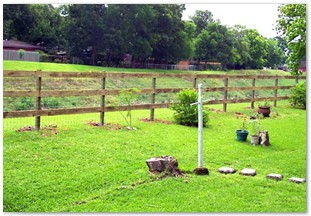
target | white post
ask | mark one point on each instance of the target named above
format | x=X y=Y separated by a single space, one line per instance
x=200 y=126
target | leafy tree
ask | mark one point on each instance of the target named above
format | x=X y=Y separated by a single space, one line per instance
x=292 y=25
x=275 y=54
x=240 y=48
x=257 y=49
x=214 y=44
x=85 y=30
x=169 y=39
x=18 y=20
x=201 y=20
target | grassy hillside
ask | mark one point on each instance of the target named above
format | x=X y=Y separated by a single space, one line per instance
x=72 y=83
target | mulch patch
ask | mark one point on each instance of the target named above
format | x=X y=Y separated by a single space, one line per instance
x=26 y=128
x=156 y=120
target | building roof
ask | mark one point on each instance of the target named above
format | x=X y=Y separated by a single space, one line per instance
x=20 y=45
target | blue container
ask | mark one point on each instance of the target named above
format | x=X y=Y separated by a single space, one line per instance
x=241 y=135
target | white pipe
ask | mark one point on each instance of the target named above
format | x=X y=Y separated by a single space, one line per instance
x=200 y=127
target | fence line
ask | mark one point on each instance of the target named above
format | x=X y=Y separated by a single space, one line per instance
x=153 y=91
x=27 y=56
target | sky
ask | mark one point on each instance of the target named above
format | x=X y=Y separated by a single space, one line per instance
x=261 y=17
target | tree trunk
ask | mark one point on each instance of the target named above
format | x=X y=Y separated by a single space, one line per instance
x=161 y=164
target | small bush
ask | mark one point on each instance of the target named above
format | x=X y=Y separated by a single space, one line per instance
x=298 y=95
x=24 y=104
x=186 y=114
x=44 y=57
x=51 y=103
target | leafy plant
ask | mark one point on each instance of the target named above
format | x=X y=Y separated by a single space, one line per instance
x=51 y=102
x=21 y=53
x=24 y=104
x=244 y=125
x=298 y=95
x=128 y=97
x=255 y=127
x=185 y=114
x=265 y=104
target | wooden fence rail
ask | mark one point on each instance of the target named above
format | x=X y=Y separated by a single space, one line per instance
x=153 y=91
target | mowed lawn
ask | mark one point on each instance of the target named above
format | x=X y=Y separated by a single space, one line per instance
x=96 y=169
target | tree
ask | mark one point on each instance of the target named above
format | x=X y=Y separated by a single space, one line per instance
x=169 y=38
x=201 y=19
x=214 y=44
x=18 y=20
x=257 y=49
x=241 y=47
x=85 y=30
x=275 y=54
x=292 y=26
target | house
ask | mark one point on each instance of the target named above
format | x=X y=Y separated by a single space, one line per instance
x=19 y=50
x=17 y=45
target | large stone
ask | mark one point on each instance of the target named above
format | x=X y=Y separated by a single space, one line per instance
x=226 y=170
x=275 y=176
x=297 y=180
x=163 y=164
x=248 y=172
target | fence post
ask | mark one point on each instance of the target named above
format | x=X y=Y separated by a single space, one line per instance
x=102 y=103
x=297 y=79
x=38 y=101
x=225 y=94
x=275 y=91
x=253 y=93
x=153 y=98
x=194 y=82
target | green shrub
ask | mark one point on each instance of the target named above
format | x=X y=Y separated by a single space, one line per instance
x=21 y=53
x=44 y=57
x=24 y=104
x=51 y=102
x=185 y=114
x=298 y=95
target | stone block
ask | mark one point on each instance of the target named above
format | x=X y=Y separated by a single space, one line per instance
x=226 y=170
x=248 y=172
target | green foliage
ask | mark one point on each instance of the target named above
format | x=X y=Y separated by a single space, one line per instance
x=128 y=97
x=298 y=95
x=51 y=102
x=21 y=53
x=292 y=24
x=255 y=126
x=24 y=103
x=44 y=57
x=185 y=114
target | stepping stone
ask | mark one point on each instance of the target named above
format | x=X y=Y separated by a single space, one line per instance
x=226 y=170
x=248 y=172
x=275 y=176
x=297 y=180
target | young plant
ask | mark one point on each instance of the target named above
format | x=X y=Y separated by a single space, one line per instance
x=265 y=104
x=128 y=97
x=244 y=125
x=185 y=114
x=255 y=127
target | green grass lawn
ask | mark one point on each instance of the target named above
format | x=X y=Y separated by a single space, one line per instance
x=93 y=169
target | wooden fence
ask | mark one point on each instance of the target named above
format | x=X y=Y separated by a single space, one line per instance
x=153 y=91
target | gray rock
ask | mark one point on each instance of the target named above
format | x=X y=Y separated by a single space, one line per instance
x=297 y=180
x=226 y=170
x=248 y=172
x=275 y=176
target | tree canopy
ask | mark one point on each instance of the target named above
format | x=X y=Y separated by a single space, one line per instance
x=292 y=26
x=106 y=33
